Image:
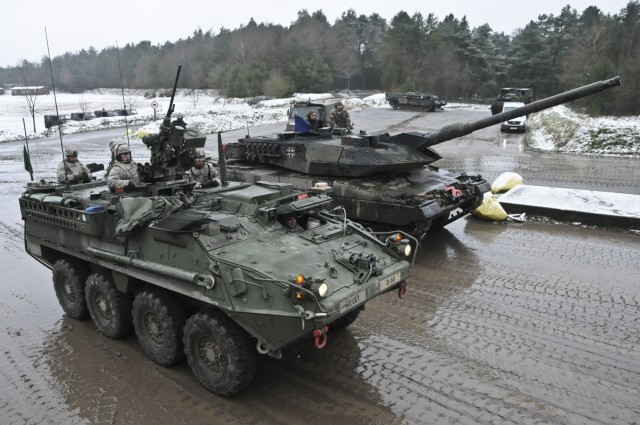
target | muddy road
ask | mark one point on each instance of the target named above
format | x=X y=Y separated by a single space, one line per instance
x=507 y=323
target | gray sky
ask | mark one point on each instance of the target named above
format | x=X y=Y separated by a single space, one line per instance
x=75 y=25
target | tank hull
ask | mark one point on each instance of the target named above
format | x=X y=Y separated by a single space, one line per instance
x=416 y=200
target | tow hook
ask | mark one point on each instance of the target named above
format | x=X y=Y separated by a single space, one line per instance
x=320 y=337
x=402 y=289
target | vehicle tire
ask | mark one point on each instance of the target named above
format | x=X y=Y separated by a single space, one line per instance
x=68 y=282
x=159 y=321
x=109 y=309
x=219 y=353
x=346 y=320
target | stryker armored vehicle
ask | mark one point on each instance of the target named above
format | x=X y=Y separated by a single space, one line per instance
x=413 y=101
x=210 y=274
x=381 y=179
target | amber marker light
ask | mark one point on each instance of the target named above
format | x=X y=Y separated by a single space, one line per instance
x=398 y=237
x=300 y=280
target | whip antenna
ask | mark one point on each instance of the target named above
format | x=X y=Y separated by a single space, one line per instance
x=124 y=104
x=55 y=101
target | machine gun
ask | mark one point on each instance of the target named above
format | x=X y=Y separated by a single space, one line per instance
x=173 y=148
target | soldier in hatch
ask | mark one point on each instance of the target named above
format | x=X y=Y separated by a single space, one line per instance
x=314 y=122
x=71 y=170
x=123 y=174
x=339 y=117
x=290 y=222
x=203 y=172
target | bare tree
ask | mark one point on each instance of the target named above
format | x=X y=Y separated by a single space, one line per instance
x=84 y=105
x=31 y=76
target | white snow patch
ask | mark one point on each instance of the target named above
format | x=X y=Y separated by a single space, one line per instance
x=556 y=129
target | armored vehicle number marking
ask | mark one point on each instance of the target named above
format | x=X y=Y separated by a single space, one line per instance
x=389 y=281
x=348 y=304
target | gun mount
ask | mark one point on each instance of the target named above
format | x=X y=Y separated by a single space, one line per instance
x=172 y=149
x=382 y=178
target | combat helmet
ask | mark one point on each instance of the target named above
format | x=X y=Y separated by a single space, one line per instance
x=199 y=153
x=70 y=152
x=120 y=150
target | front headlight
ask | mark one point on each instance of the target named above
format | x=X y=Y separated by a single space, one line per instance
x=320 y=289
x=407 y=248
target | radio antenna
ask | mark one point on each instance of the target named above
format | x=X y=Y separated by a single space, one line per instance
x=124 y=104
x=55 y=101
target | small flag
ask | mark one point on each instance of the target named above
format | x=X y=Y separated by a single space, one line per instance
x=302 y=125
x=27 y=160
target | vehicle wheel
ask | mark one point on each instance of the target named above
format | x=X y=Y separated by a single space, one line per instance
x=68 y=282
x=109 y=309
x=159 y=320
x=219 y=353
x=346 y=320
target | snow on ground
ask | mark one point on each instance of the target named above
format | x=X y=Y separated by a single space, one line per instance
x=556 y=129
x=561 y=129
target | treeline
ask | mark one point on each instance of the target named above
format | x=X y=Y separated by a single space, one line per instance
x=409 y=53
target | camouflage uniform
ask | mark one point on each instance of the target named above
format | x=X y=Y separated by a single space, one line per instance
x=206 y=173
x=73 y=172
x=339 y=117
x=203 y=172
x=121 y=174
x=77 y=172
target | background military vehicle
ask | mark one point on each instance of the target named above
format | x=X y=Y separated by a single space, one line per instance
x=210 y=274
x=54 y=120
x=381 y=179
x=507 y=94
x=415 y=101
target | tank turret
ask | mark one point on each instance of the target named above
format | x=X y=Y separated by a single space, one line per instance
x=360 y=155
x=382 y=178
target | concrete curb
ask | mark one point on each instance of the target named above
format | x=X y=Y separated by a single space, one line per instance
x=589 y=207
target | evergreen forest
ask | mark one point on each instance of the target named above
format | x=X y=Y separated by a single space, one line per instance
x=357 y=52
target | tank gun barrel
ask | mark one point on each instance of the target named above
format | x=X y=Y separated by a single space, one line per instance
x=456 y=130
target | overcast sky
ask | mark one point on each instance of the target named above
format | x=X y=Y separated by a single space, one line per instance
x=76 y=25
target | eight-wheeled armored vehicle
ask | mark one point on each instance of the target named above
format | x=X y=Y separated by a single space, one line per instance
x=381 y=179
x=210 y=274
x=414 y=101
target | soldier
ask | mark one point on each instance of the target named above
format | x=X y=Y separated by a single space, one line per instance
x=291 y=223
x=123 y=175
x=314 y=122
x=339 y=117
x=71 y=170
x=203 y=172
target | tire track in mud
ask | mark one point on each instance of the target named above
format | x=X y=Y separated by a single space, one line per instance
x=561 y=341
x=28 y=393
x=13 y=239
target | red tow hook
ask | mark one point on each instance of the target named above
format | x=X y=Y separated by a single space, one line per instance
x=402 y=289
x=321 y=337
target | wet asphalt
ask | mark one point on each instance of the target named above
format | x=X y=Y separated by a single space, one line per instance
x=504 y=323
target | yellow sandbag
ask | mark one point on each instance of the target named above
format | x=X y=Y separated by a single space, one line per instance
x=506 y=181
x=490 y=209
x=142 y=133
